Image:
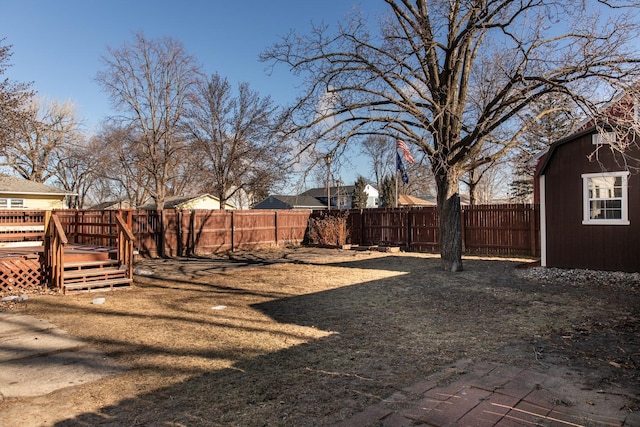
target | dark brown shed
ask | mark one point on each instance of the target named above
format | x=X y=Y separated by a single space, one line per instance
x=589 y=205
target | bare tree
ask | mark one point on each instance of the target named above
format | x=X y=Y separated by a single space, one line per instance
x=443 y=75
x=151 y=84
x=421 y=181
x=48 y=130
x=80 y=167
x=236 y=135
x=14 y=97
x=381 y=154
x=123 y=174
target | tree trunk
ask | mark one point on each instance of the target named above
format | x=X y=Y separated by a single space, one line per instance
x=449 y=216
x=473 y=193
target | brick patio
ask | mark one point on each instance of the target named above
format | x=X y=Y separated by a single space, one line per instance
x=492 y=394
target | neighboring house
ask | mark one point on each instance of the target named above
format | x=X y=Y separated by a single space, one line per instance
x=430 y=198
x=19 y=193
x=203 y=201
x=114 y=205
x=342 y=196
x=290 y=202
x=405 y=200
x=589 y=207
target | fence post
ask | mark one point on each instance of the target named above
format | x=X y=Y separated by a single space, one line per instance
x=78 y=228
x=463 y=228
x=532 y=229
x=409 y=228
x=233 y=232
x=275 y=220
x=179 y=233
x=191 y=242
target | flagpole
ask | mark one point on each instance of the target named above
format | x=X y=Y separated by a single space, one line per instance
x=397 y=171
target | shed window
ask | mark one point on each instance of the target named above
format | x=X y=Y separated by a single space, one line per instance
x=603 y=138
x=605 y=198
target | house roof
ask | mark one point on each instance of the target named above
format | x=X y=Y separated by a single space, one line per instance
x=407 y=200
x=173 y=202
x=15 y=185
x=107 y=205
x=292 y=202
x=322 y=191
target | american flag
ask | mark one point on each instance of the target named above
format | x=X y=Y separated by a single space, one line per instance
x=400 y=145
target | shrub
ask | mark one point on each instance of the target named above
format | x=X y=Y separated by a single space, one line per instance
x=328 y=229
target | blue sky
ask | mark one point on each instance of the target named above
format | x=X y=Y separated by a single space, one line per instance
x=57 y=45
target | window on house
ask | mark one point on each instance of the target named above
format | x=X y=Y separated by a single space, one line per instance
x=6 y=203
x=605 y=198
x=17 y=203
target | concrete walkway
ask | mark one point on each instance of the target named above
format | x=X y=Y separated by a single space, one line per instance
x=37 y=358
x=491 y=394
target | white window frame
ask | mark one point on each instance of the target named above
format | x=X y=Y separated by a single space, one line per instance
x=9 y=203
x=16 y=203
x=605 y=138
x=586 y=218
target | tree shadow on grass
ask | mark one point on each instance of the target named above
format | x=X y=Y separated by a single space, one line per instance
x=382 y=335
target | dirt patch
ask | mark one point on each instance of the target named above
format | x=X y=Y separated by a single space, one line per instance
x=312 y=336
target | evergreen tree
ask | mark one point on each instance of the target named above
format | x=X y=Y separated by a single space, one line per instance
x=388 y=192
x=547 y=128
x=359 y=198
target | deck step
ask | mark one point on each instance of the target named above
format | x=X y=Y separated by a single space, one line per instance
x=90 y=264
x=96 y=286
x=89 y=274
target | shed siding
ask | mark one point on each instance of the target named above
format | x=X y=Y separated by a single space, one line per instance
x=570 y=244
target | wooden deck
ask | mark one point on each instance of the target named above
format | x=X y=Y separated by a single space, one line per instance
x=64 y=251
x=72 y=249
x=22 y=268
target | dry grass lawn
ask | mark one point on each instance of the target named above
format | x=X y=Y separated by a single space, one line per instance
x=311 y=336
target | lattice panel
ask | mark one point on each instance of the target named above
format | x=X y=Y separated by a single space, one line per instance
x=20 y=273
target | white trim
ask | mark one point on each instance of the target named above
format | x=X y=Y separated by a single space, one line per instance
x=604 y=138
x=543 y=222
x=9 y=203
x=36 y=193
x=586 y=209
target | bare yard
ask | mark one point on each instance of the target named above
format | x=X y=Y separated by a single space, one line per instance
x=312 y=336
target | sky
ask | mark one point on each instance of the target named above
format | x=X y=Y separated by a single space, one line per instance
x=58 y=44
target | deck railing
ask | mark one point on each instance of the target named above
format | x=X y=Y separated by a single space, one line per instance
x=125 y=245
x=54 y=241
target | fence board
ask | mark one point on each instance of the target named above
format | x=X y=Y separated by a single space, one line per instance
x=505 y=229
x=202 y=232
x=488 y=229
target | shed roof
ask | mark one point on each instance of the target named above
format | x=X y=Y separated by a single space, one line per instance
x=552 y=148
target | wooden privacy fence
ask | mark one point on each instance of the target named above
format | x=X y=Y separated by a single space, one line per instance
x=201 y=232
x=512 y=229
x=197 y=232
x=504 y=229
